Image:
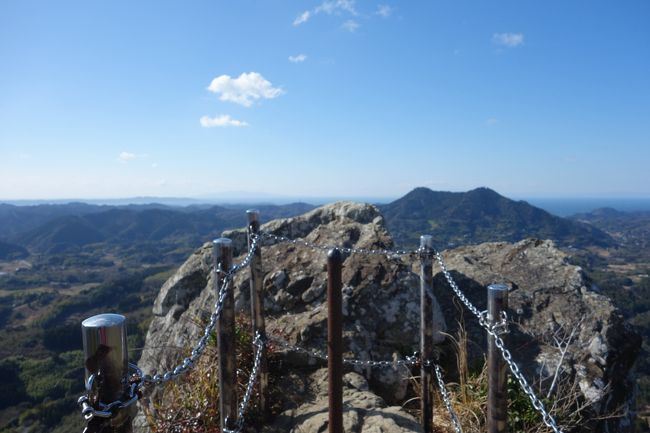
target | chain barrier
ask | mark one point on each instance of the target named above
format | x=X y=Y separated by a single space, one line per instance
x=346 y=250
x=91 y=408
x=446 y=400
x=409 y=361
x=406 y=362
x=259 y=344
x=255 y=241
x=138 y=379
x=495 y=331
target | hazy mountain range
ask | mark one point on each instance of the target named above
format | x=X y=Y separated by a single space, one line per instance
x=452 y=218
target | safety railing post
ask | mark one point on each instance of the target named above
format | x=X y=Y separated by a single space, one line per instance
x=222 y=256
x=257 y=300
x=497 y=420
x=106 y=359
x=426 y=331
x=335 y=340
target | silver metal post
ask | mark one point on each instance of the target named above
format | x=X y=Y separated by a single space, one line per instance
x=257 y=300
x=106 y=359
x=497 y=420
x=222 y=256
x=426 y=332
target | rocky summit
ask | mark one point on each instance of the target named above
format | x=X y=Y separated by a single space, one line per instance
x=559 y=326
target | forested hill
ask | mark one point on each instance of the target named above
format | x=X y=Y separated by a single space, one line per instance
x=480 y=215
x=60 y=228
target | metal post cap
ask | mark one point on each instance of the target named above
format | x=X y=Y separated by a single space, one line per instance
x=499 y=287
x=426 y=241
x=253 y=215
x=107 y=320
x=222 y=242
x=334 y=254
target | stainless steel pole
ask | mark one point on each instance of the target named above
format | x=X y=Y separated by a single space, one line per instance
x=106 y=357
x=257 y=300
x=426 y=332
x=497 y=420
x=222 y=257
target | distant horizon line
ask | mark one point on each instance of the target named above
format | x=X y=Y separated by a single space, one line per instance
x=262 y=198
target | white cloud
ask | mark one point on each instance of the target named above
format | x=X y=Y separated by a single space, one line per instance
x=384 y=11
x=154 y=165
x=298 y=59
x=221 y=121
x=491 y=121
x=336 y=6
x=302 y=18
x=244 y=89
x=350 y=25
x=328 y=7
x=127 y=156
x=510 y=40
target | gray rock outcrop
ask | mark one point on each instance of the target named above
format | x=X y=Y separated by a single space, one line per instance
x=550 y=303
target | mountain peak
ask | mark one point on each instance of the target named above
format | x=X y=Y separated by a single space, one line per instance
x=484 y=191
x=479 y=215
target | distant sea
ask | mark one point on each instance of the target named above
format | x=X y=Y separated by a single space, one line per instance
x=569 y=206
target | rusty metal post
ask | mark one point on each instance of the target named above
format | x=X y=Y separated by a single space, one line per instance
x=257 y=301
x=497 y=420
x=335 y=340
x=426 y=332
x=106 y=357
x=222 y=256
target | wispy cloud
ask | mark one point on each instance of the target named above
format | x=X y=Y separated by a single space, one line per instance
x=350 y=25
x=491 y=121
x=384 y=11
x=245 y=89
x=328 y=7
x=221 y=121
x=298 y=59
x=127 y=156
x=336 y=6
x=510 y=40
x=302 y=18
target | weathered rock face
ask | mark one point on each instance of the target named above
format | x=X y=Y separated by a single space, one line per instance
x=557 y=323
x=548 y=299
x=364 y=411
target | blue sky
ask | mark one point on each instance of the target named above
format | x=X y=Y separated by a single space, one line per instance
x=324 y=98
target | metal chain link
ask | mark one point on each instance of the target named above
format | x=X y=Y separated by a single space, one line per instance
x=407 y=361
x=347 y=250
x=255 y=240
x=228 y=276
x=139 y=379
x=255 y=371
x=495 y=330
x=108 y=410
x=198 y=350
x=446 y=400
